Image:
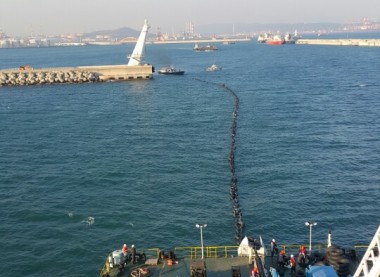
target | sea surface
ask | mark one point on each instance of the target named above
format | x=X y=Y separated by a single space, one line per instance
x=85 y=168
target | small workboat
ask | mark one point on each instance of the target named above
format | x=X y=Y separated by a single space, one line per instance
x=171 y=70
x=206 y=48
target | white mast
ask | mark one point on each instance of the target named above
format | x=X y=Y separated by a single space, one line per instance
x=138 y=52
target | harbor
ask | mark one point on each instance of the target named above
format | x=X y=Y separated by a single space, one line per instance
x=98 y=165
x=136 y=69
x=340 y=42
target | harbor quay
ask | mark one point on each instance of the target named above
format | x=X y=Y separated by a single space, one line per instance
x=341 y=42
x=82 y=74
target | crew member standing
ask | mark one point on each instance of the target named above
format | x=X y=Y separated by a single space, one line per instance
x=302 y=250
x=281 y=259
x=273 y=248
x=125 y=250
x=292 y=263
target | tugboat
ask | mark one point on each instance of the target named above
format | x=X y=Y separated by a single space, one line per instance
x=171 y=70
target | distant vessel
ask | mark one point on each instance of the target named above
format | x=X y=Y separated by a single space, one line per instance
x=171 y=70
x=206 y=48
x=275 y=40
x=291 y=39
x=263 y=38
x=214 y=67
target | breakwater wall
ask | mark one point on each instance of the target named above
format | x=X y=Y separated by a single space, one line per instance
x=341 y=42
x=80 y=74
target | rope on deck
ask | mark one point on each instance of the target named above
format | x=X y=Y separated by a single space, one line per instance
x=234 y=196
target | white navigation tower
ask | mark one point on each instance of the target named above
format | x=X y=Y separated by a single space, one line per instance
x=138 y=53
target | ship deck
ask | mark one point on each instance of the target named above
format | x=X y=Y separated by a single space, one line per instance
x=214 y=267
x=221 y=261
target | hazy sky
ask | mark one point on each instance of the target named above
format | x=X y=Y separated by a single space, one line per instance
x=21 y=17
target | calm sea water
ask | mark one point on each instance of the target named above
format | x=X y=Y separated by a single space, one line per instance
x=148 y=160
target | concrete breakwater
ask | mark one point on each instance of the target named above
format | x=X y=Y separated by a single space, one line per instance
x=46 y=77
x=341 y=42
x=83 y=74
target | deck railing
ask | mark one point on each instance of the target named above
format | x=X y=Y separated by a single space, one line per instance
x=194 y=252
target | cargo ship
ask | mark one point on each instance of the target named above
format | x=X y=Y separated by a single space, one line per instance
x=275 y=40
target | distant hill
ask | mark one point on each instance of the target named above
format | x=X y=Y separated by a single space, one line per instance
x=115 y=34
x=258 y=28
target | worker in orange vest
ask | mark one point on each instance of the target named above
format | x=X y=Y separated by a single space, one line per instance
x=281 y=259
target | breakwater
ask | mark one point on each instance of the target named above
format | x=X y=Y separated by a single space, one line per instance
x=341 y=42
x=211 y=40
x=80 y=74
x=234 y=195
x=46 y=77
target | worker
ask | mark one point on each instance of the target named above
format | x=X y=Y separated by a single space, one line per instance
x=273 y=248
x=255 y=272
x=292 y=263
x=281 y=259
x=302 y=250
x=125 y=250
x=302 y=255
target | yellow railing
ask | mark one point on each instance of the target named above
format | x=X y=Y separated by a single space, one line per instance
x=151 y=252
x=293 y=248
x=194 y=252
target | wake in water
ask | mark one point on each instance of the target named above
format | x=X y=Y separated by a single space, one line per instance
x=234 y=196
x=89 y=220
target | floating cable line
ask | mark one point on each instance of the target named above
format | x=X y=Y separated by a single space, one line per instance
x=234 y=196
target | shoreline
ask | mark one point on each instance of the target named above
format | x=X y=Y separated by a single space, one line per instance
x=340 y=42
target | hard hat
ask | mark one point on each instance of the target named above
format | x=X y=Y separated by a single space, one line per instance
x=292 y=255
x=133 y=245
x=124 y=245
x=273 y=240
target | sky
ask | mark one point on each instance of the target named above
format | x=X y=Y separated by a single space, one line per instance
x=23 y=17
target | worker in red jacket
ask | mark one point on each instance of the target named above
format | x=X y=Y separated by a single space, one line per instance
x=292 y=263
